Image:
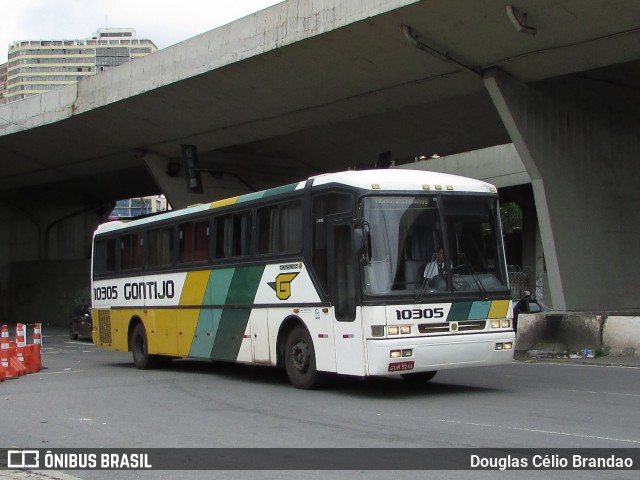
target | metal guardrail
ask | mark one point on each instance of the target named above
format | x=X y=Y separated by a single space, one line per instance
x=518 y=281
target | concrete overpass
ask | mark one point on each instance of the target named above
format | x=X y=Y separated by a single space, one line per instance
x=312 y=86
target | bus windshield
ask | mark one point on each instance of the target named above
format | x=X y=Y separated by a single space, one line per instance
x=432 y=245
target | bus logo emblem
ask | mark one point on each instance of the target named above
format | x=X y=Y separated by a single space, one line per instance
x=282 y=285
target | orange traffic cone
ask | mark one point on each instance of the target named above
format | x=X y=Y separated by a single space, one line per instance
x=4 y=354
x=33 y=357
x=17 y=361
x=7 y=352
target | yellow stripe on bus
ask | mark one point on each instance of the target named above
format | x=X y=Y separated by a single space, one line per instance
x=194 y=287
x=499 y=309
x=224 y=203
x=193 y=292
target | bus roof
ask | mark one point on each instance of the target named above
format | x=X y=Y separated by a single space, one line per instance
x=394 y=179
x=403 y=179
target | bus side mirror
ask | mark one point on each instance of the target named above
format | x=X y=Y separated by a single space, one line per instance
x=362 y=240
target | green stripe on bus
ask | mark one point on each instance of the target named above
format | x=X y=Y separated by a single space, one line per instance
x=459 y=311
x=479 y=310
x=233 y=321
x=205 y=334
x=218 y=286
x=244 y=285
x=209 y=320
x=267 y=193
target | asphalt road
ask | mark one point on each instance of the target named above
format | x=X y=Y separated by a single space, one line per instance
x=85 y=397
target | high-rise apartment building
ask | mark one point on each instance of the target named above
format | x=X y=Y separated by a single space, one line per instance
x=37 y=66
x=3 y=83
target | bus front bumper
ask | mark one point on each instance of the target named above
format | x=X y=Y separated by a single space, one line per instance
x=423 y=354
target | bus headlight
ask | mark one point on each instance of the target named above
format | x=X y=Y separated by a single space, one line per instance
x=407 y=352
x=504 y=323
x=405 y=329
x=393 y=330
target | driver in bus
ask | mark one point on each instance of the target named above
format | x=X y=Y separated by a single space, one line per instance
x=436 y=268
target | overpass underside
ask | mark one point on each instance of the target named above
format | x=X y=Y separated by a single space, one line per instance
x=308 y=87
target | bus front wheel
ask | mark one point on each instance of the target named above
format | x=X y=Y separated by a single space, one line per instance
x=300 y=359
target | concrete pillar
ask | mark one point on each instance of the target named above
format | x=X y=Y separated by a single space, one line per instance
x=578 y=139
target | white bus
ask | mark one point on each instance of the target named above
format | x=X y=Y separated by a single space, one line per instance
x=331 y=274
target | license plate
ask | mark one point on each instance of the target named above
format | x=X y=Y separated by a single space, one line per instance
x=401 y=366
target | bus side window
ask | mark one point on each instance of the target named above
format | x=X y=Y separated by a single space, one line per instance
x=233 y=235
x=280 y=229
x=131 y=251
x=223 y=232
x=160 y=247
x=105 y=256
x=291 y=227
x=267 y=230
x=201 y=241
x=185 y=242
x=193 y=241
x=242 y=234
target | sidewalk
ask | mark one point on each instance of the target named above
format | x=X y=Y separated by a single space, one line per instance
x=606 y=361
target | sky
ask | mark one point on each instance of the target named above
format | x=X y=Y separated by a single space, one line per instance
x=163 y=22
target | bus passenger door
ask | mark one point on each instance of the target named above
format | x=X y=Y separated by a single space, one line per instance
x=343 y=275
x=260 y=335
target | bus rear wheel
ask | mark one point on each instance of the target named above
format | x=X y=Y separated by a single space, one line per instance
x=140 y=349
x=300 y=359
x=419 y=377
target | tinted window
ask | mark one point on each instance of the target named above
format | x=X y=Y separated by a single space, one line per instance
x=193 y=240
x=104 y=256
x=233 y=235
x=131 y=251
x=160 y=247
x=280 y=228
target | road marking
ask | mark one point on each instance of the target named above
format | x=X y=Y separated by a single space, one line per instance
x=532 y=430
x=606 y=393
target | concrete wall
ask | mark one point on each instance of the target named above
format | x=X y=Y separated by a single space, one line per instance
x=561 y=334
x=47 y=291
x=621 y=336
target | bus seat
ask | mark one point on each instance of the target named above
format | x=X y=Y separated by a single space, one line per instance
x=414 y=271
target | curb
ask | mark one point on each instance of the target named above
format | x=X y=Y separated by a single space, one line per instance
x=628 y=362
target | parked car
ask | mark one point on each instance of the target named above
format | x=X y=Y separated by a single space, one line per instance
x=527 y=305
x=80 y=324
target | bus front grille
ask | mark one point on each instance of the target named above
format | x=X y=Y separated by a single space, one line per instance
x=463 y=326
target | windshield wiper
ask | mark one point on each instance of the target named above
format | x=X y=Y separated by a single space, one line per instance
x=425 y=282
x=476 y=279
